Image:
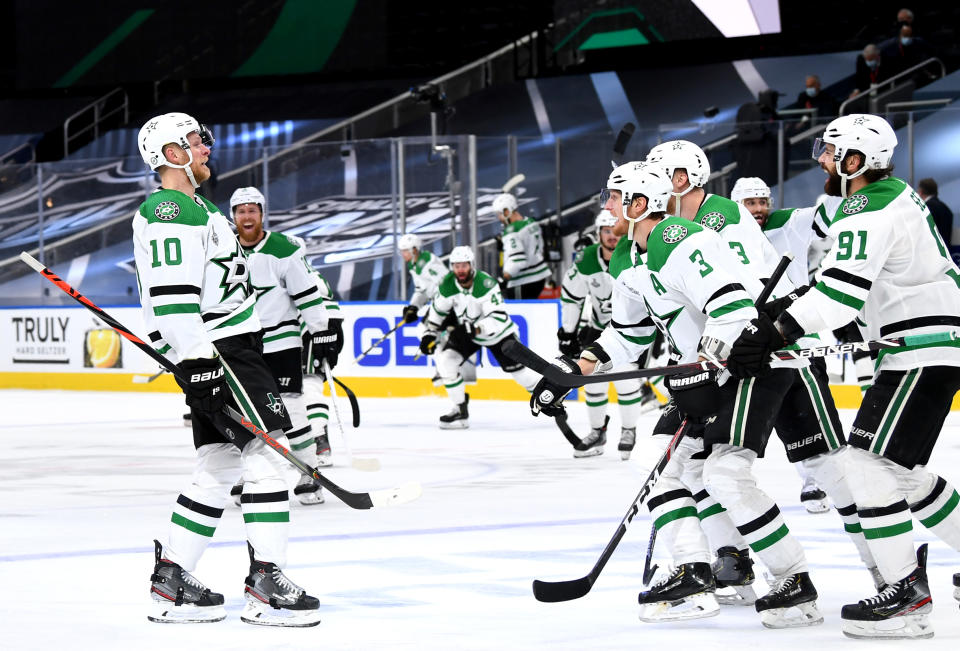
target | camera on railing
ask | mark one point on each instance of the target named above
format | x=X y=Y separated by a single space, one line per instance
x=430 y=94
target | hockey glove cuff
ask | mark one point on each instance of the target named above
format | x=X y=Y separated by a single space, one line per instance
x=568 y=343
x=547 y=397
x=750 y=355
x=776 y=307
x=428 y=343
x=696 y=394
x=205 y=384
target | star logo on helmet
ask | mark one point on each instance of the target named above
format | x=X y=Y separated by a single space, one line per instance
x=855 y=204
x=713 y=221
x=859 y=121
x=678 y=145
x=674 y=233
x=152 y=125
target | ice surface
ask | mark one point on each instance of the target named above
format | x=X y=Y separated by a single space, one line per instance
x=87 y=480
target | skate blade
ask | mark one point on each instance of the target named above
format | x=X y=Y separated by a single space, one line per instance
x=324 y=461
x=805 y=614
x=457 y=424
x=906 y=627
x=163 y=612
x=590 y=452
x=625 y=455
x=698 y=606
x=310 y=499
x=737 y=595
x=265 y=615
x=816 y=506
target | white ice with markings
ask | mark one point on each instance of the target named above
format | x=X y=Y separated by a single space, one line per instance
x=87 y=480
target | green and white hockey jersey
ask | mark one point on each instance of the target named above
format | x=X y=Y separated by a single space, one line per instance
x=689 y=284
x=427 y=271
x=796 y=230
x=194 y=280
x=587 y=279
x=523 y=253
x=889 y=268
x=289 y=291
x=480 y=305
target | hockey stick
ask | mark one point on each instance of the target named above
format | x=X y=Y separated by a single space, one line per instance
x=354 y=405
x=648 y=571
x=379 y=341
x=366 y=465
x=523 y=355
x=513 y=182
x=576 y=588
x=389 y=497
x=620 y=144
x=147 y=379
x=554 y=591
x=565 y=429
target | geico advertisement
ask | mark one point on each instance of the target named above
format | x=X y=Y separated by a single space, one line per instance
x=73 y=339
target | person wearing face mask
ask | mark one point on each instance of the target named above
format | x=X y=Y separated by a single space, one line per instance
x=871 y=69
x=905 y=51
x=813 y=97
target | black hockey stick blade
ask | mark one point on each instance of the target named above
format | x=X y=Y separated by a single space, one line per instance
x=648 y=570
x=354 y=405
x=566 y=430
x=623 y=138
x=556 y=591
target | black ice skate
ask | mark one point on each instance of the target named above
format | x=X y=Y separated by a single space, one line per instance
x=459 y=416
x=956 y=586
x=324 y=457
x=686 y=593
x=792 y=602
x=592 y=444
x=236 y=491
x=733 y=571
x=813 y=498
x=275 y=600
x=628 y=439
x=178 y=597
x=308 y=491
x=648 y=399
x=900 y=611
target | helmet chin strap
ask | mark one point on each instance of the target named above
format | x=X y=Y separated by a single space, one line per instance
x=679 y=195
x=633 y=221
x=846 y=177
x=186 y=167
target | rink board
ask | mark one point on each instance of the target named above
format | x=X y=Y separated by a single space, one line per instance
x=68 y=348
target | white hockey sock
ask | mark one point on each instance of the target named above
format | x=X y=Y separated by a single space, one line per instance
x=301 y=436
x=674 y=515
x=596 y=404
x=629 y=397
x=884 y=515
x=525 y=378
x=265 y=503
x=456 y=391
x=828 y=471
x=728 y=478
x=938 y=512
x=199 y=507
x=714 y=519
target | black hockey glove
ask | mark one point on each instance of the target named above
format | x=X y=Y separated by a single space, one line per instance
x=205 y=384
x=588 y=335
x=750 y=355
x=568 y=343
x=548 y=397
x=410 y=313
x=778 y=306
x=695 y=394
x=467 y=331
x=322 y=345
x=428 y=343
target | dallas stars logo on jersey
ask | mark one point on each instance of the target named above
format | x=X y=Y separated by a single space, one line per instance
x=674 y=233
x=713 y=220
x=855 y=204
x=167 y=210
x=236 y=274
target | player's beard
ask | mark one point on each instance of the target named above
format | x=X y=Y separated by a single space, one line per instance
x=466 y=279
x=251 y=234
x=200 y=171
x=833 y=184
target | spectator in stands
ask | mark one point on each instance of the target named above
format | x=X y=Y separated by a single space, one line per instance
x=942 y=215
x=871 y=70
x=755 y=149
x=906 y=51
x=813 y=97
x=904 y=17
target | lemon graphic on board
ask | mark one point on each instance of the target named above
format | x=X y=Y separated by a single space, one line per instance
x=102 y=348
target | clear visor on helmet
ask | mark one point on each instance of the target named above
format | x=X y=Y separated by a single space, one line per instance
x=605 y=196
x=206 y=136
x=819 y=146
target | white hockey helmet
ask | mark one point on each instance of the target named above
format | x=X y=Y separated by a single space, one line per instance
x=750 y=187
x=616 y=180
x=505 y=201
x=247 y=195
x=462 y=254
x=868 y=134
x=170 y=128
x=604 y=219
x=649 y=181
x=681 y=154
x=409 y=241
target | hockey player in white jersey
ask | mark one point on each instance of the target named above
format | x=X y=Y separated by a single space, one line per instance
x=474 y=297
x=198 y=306
x=889 y=268
x=291 y=296
x=588 y=282
x=426 y=271
x=524 y=267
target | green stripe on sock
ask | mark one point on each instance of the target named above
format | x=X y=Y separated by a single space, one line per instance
x=278 y=516
x=195 y=527
x=853 y=528
x=888 y=532
x=323 y=416
x=676 y=514
x=632 y=401
x=766 y=541
x=711 y=510
x=302 y=446
x=938 y=517
x=599 y=403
